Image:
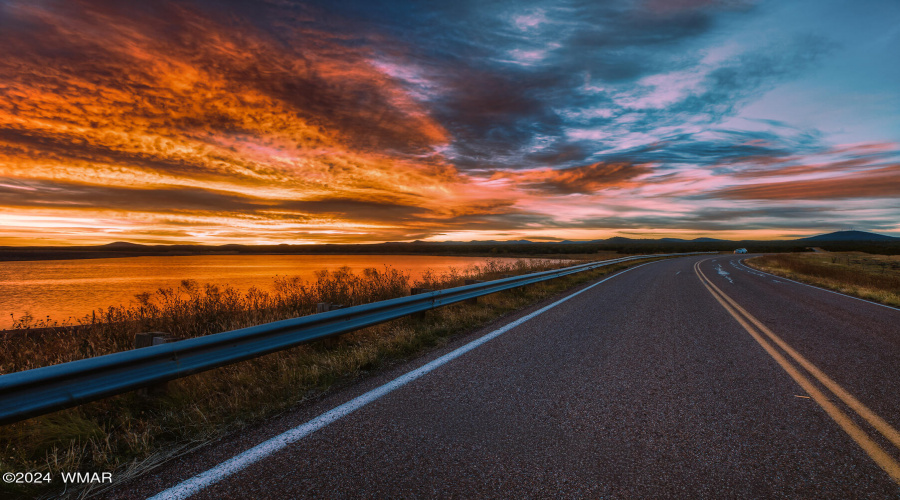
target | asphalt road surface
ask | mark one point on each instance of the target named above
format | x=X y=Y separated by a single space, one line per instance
x=694 y=377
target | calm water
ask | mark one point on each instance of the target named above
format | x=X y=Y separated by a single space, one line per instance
x=64 y=289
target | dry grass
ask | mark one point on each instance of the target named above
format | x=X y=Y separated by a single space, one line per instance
x=870 y=277
x=128 y=434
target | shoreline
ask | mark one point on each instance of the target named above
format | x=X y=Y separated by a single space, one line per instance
x=93 y=255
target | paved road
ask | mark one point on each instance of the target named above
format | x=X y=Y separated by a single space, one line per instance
x=650 y=385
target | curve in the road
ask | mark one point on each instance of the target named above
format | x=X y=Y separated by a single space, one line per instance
x=649 y=388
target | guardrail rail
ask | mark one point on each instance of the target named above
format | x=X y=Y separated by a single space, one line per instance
x=43 y=390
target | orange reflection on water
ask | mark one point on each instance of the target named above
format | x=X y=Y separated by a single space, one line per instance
x=71 y=289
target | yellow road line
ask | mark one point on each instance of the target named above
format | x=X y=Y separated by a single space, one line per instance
x=874 y=420
x=875 y=452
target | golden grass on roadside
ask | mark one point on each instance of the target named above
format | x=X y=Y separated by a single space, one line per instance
x=194 y=310
x=871 y=277
x=128 y=434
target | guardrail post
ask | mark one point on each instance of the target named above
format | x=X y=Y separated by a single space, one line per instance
x=329 y=342
x=145 y=339
x=473 y=300
x=149 y=339
x=523 y=287
x=322 y=307
x=417 y=291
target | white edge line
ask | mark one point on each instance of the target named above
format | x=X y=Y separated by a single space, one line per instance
x=819 y=288
x=193 y=485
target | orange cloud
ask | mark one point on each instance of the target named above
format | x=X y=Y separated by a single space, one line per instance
x=173 y=112
x=878 y=183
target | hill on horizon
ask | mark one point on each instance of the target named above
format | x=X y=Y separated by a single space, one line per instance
x=122 y=244
x=850 y=236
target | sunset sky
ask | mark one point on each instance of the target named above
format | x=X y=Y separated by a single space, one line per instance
x=274 y=121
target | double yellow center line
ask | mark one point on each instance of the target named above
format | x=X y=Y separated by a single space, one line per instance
x=768 y=340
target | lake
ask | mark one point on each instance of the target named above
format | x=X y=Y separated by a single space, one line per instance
x=70 y=289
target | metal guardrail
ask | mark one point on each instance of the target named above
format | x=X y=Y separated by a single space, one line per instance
x=43 y=390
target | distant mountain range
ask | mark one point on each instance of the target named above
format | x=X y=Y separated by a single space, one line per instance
x=841 y=239
x=861 y=236
x=835 y=236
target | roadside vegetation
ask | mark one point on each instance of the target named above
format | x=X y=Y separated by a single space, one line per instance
x=131 y=433
x=870 y=277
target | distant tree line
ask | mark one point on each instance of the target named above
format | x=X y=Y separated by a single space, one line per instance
x=490 y=248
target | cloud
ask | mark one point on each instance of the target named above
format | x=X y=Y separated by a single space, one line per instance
x=587 y=179
x=34 y=194
x=879 y=183
x=176 y=109
x=355 y=210
x=359 y=121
